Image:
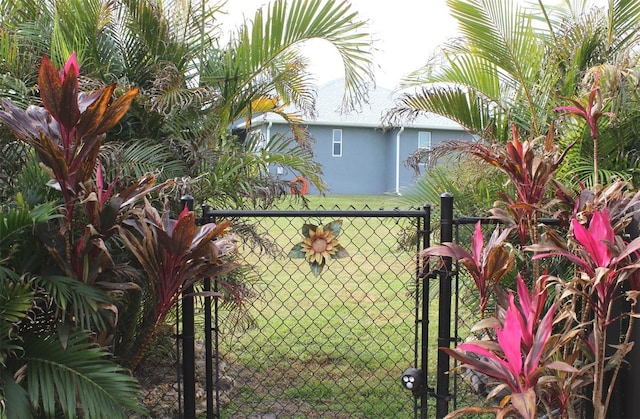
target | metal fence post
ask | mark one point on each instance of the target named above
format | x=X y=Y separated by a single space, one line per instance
x=444 y=309
x=424 y=338
x=208 y=347
x=188 y=339
x=629 y=382
x=212 y=366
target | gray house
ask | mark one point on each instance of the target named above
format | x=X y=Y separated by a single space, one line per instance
x=357 y=155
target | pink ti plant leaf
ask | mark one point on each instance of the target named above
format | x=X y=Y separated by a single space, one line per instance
x=68 y=131
x=592 y=111
x=601 y=255
x=488 y=264
x=517 y=358
x=531 y=306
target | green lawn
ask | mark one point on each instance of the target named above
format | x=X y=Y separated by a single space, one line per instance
x=334 y=345
x=355 y=201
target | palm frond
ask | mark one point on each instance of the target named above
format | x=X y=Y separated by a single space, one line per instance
x=16 y=299
x=24 y=38
x=77 y=377
x=284 y=151
x=500 y=33
x=472 y=197
x=492 y=71
x=169 y=94
x=14 y=399
x=32 y=184
x=288 y=24
x=475 y=113
x=89 y=17
x=13 y=88
x=293 y=83
x=580 y=171
x=71 y=296
x=12 y=222
x=14 y=156
x=623 y=23
x=553 y=16
x=140 y=158
x=175 y=32
x=255 y=55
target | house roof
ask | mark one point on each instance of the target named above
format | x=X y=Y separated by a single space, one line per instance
x=371 y=113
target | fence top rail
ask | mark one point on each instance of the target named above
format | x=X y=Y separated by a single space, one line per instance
x=380 y=213
x=489 y=220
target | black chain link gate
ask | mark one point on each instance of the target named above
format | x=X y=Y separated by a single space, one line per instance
x=335 y=345
x=328 y=345
x=289 y=364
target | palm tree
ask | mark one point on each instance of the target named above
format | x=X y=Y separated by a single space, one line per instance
x=48 y=368
x=193 y=87
x=192 y=90
x=513 y=66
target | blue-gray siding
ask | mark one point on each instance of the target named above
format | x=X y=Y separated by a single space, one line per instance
x=368 y=162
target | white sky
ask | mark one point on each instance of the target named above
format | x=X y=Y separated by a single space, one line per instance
x=405 y=34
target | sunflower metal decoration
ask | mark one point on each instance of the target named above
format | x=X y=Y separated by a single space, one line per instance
x=319 y=244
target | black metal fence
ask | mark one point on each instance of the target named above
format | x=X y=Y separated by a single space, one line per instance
x=332 y=344
x=335 y=344
x=328 y=345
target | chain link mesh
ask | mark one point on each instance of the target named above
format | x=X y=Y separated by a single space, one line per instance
x=158 y=374
x=332 y=345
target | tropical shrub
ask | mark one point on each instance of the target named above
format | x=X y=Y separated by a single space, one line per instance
x=174 y=254
x=54 y=346
x=50 y=362
x=559 y=339
x=65 y=265
x=512 y=64
x=199 y=87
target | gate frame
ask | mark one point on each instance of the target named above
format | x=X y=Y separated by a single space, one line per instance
x=423 y=229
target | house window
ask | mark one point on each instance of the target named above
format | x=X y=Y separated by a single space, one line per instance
x=336 y=143
x=424 y=140
x=261 y=140
x=424 y=146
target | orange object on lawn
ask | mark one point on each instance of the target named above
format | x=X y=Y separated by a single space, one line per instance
x=303 y=186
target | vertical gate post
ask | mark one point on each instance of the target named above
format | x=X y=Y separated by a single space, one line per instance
x=212 y=366
x=444 y=309
x=188 y=339
x=424 y=337
x=629 y=382
x=208 y=348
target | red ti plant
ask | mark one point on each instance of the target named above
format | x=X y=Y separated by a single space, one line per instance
x=591 y=113
x=604 y=262
x=174 y=254
x=67 y=133
x=530 y=169
x=518 y=356
x=104 y=211
x=486 y=264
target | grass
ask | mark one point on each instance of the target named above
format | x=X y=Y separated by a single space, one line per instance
x=355 y=201
x=334 y=345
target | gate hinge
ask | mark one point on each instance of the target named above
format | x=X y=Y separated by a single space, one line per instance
x=432 y=392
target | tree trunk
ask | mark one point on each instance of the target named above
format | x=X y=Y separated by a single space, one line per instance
x=145 y=344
